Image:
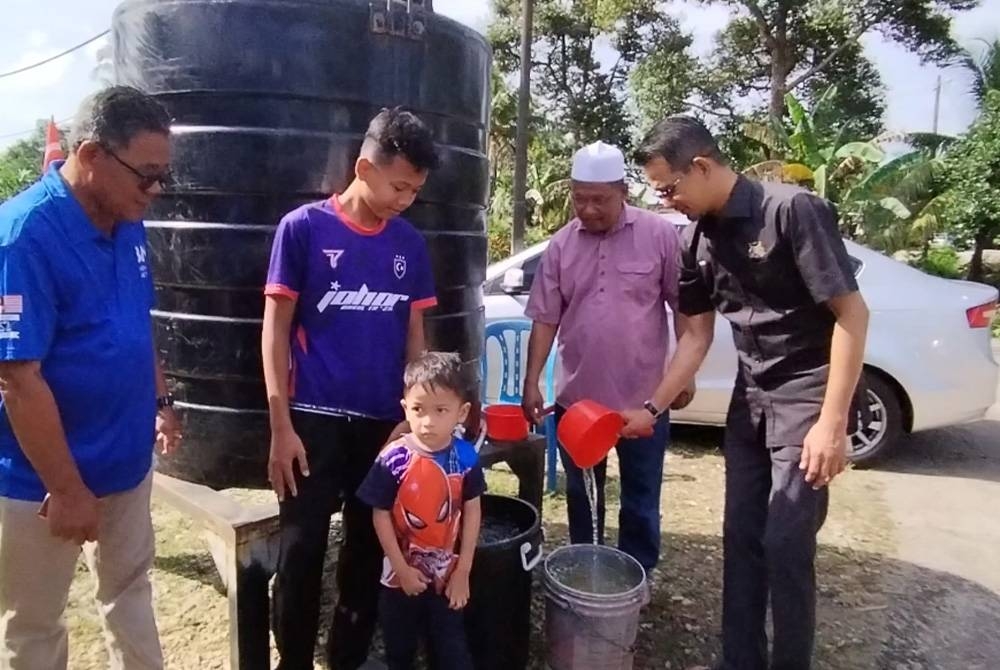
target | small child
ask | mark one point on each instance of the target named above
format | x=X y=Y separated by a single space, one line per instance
x=424 y=489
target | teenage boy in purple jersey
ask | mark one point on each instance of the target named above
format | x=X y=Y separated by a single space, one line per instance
x=348 y=283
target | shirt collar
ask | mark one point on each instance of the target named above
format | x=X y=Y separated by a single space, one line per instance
x=740 y=201
x=73 y=219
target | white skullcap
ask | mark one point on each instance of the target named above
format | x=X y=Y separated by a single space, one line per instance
x=599 y=163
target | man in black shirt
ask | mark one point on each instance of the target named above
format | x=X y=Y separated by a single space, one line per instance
x=769 y=257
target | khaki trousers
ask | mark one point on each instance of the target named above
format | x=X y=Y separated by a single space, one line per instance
x=36 y=570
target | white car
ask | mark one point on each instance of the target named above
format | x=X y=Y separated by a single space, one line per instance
x=928 y=362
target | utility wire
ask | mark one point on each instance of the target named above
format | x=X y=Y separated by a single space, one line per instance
x=52 y=58
x=31 y=130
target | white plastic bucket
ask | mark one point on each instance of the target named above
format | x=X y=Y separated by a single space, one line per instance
x=593 y=596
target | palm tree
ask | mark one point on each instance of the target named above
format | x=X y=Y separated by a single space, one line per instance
x=984 y=68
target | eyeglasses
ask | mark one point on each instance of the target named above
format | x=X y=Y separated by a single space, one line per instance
x=146 y=181
x=668 y=192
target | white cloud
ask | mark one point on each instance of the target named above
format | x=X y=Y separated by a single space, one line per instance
x=473 y=13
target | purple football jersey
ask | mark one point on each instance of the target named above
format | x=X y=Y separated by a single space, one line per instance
x=354 y=289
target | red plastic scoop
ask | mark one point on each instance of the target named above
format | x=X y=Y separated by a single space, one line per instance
x=588 y=431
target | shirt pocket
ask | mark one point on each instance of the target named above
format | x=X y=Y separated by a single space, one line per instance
x=771 y=276
x=86 y=327
x=640 y=280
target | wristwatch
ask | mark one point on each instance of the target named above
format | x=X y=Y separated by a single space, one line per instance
x=651 y=408
x=165 y=401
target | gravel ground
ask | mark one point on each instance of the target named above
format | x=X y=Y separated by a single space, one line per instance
x=861 y=588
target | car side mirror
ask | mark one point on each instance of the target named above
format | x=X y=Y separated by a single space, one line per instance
x=513 y=281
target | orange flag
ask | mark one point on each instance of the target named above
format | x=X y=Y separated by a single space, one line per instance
x=53 y=150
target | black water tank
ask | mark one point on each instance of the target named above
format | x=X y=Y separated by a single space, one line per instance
x=270 y=101
x=498 y=618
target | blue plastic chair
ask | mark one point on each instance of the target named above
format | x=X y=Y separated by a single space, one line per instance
x=512 y=358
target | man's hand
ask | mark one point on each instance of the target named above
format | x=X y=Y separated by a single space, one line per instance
x=824 y=452
x=72 y=516
x=638 y=423
x=457 y=591
x=286 y=450
x=685 y=397
x=168 y=431
x=532 y=403
x=412 y=581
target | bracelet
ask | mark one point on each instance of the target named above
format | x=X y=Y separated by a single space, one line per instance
x=165 y=401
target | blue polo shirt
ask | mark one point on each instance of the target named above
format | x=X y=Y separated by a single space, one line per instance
x=78 y=301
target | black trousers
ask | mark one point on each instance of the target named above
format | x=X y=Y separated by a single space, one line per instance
x=340 y=452
x=406 y=620
x=772 y=517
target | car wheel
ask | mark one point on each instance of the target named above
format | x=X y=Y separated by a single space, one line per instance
x=871 y=443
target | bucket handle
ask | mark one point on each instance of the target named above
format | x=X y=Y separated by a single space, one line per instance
x=530 y=565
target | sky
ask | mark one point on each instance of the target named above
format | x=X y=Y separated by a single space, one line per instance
x=33 y=30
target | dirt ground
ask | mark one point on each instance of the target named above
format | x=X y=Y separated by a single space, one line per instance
x=886 y=600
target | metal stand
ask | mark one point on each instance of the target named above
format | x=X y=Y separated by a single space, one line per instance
x=243 y=540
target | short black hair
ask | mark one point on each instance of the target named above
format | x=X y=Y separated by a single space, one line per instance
x=113 y=116
x=435 y=370
x=678 y=140
x=400 y=132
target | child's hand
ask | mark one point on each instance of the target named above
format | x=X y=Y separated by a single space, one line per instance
x=457 y=591
x=412 y=581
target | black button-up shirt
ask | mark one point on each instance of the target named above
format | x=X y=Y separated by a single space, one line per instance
x=769 y=263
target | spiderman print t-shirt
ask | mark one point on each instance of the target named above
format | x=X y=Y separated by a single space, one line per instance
x=425 y=492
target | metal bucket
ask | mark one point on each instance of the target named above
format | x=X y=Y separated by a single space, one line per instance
x=593 y=595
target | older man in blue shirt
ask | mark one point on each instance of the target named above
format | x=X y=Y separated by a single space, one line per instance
x=81 y=387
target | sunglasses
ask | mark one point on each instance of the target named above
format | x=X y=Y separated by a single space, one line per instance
x=146 y=181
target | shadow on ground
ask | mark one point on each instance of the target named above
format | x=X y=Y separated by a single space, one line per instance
x=874 y=612
x=969 y=451
x=689 y=440
x=198 y=567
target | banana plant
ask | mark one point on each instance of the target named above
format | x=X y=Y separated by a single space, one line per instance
x=894 y=199
x=805 y=154
x=549 y=194
x=898 y=203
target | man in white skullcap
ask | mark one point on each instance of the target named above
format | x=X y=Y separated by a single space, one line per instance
x=603 y=286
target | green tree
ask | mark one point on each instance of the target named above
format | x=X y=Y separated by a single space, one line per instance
x=576 y=98
x=984 y=67
x=548 y=173
x=574 y=91
x=773 y=47
x=972 y=202
x=21 y=163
